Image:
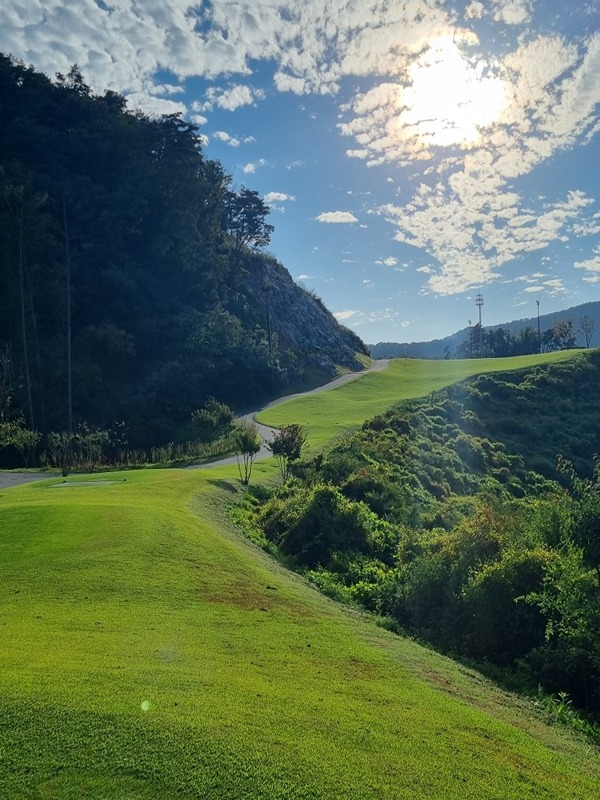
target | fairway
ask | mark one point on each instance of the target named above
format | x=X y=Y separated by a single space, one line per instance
x=149 y=651
x=325 y=416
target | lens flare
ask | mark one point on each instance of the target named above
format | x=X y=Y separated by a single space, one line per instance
x=450 y=100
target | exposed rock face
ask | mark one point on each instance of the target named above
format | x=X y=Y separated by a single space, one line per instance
x=299 y=319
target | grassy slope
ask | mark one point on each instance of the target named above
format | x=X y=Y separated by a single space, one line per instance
x=115 y=596
x=327 y=415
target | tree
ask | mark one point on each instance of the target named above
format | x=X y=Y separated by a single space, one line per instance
x=246 y=215
x=287 y=446
x=564 y=334
x=248 y=446
x=213 y=420
x=91 y=443
x=587 y=328
x=74 y=81
x=14 y=433
x=61 y=451
x=7 y=386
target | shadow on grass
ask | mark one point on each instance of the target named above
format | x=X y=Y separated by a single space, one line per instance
x=228 y=486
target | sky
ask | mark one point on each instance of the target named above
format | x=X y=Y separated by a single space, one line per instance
x=413 y=152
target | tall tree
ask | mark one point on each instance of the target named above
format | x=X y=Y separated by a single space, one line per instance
x=587 y=328
x=246 y=215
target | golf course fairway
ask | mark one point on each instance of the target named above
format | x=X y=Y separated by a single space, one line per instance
x=149 y=651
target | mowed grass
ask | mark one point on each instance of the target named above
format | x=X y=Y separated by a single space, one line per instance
x=325 y=416
x=149 y=651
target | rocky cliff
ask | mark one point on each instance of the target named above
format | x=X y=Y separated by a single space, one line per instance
x=299 y=319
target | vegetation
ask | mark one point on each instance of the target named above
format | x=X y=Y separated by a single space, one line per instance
x=324 y=417
x=247 y=448
x=500 y=342
x=287 y=447
x=150 y=652
x=445 y=517
x=126 y=264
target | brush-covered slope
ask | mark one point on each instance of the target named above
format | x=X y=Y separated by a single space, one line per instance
x=148 y=652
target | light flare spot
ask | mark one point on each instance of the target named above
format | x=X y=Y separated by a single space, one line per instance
x=450 y=99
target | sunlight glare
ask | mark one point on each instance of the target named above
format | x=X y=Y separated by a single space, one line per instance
x=449 y=100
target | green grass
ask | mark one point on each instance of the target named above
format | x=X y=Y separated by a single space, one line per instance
x=149 y=651
x=325 y=416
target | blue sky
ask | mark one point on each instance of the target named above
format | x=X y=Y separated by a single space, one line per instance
x=414 y=152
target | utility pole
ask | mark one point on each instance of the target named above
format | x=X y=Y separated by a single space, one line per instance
x=539 y=331
x=479 y=303
x=266 y=289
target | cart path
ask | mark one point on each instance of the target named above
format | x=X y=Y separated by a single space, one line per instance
x=9 y=479
x=267 y=433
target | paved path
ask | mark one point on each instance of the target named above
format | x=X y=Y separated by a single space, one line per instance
x=8 y=479
x=267 y=433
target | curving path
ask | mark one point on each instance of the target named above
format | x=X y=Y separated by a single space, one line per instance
x=8 y=479
x=267 y=433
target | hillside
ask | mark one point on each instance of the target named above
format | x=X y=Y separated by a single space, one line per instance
x=133 y=283
x=467 y=516
x=436 y=348
x=149 y=652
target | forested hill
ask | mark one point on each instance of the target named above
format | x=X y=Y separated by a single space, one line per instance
x=130 y=269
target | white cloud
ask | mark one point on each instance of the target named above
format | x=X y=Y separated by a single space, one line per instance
x=232 y=98
x=278 y=197
x=474 y=10
x=512 y=12
x=225 y=137
x=591 y=264
x=342 y=217
x=313 y=44
x=251 y=167
x=470 y=220
x=343 y=315
x=390 y=261
x=154 y=105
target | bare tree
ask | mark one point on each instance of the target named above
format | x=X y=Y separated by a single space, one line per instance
x=587 y=328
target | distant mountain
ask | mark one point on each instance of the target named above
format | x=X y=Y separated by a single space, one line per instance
x=436 y=348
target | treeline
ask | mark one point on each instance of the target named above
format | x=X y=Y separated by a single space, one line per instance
x=500 y=342
x=451 y=533
x=125 y=258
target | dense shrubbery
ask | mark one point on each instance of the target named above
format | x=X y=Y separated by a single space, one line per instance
x=424 y=518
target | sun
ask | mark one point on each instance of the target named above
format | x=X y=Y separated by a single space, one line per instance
x=450 y=100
